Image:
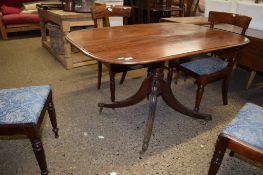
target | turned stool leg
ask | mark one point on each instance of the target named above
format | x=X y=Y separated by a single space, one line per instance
x=218 y=156
x=40 y=155
x=52 y=115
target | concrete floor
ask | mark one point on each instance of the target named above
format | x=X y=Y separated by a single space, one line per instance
x=179 y=145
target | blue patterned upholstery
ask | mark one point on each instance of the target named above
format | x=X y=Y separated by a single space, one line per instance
x=22 y=105
x=206 y=65
x=247 y=126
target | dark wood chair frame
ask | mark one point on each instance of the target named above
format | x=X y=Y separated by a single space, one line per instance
x=32 y=131
x=101 y=14
x=156 y=9
x=190 y=7
x=225 y=141
x=225 y=74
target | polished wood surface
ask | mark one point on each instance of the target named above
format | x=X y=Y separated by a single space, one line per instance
x=148 y=43
x=152 y=44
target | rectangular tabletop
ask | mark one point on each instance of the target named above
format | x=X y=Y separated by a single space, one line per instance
x=148 y=43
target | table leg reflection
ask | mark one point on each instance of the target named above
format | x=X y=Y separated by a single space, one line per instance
x=155 y=85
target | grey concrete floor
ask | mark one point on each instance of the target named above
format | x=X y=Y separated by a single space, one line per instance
x=179 y=144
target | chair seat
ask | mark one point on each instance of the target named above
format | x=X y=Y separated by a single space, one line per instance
x=22 y=105
x=204 y=66
x=247 y=126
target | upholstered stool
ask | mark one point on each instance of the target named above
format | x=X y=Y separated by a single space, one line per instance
x=22 y=111
x=244 y=135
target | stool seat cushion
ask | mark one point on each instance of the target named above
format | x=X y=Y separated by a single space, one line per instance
x=247 y=126
x=206 y=65
x=22 y=105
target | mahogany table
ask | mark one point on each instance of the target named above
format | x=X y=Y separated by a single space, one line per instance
x=152 y=44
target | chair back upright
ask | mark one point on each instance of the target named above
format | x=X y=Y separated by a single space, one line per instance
x=190 y=7
x=101 y=14
x=157 y=4
x=229 y=18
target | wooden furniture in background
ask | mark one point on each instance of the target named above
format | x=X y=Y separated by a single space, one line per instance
x=243 y=135
x=101 y=14
x=65 y=20
x=13 y=19
x=5 y=29
x=155 y=9
x=198 y=20
x=152 y=44
x=22 y=113
x=251 y=56
x=190 y=7
x=206 y=69
x=146 y=11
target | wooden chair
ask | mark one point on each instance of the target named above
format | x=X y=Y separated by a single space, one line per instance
x=133 y=19
x=244 y=135
x=205 y=68
x=22 y=111
x=156 y=9
x=178 y=8
x=100 y=14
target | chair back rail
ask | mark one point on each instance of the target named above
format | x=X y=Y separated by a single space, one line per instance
x=232 y=19
x=229 y=18
x=103 y=12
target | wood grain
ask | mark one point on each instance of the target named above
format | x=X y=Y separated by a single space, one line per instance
x=148 y=43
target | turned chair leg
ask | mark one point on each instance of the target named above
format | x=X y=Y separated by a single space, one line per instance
x=250 y=79
x=232 y=153
x=112 y=85
x=52 y=116
x=225 y=86
x=99 y=74
x=123 y=77
x=199 y=95
x=220 y=149
x=170 y=75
